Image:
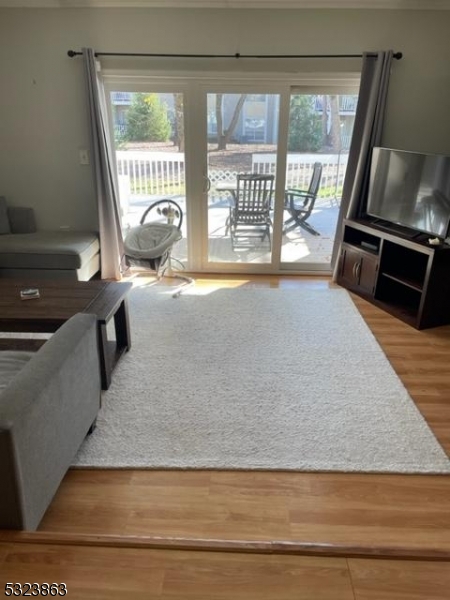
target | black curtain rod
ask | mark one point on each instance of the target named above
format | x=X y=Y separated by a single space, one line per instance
x=72 y=53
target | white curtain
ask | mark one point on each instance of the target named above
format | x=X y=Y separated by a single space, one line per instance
x=367 y=132
x=111 y=240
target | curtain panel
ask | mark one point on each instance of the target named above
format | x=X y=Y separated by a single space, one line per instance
x=111 y=239
x=367 y=132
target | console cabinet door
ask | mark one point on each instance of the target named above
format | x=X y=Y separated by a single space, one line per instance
x=368 y=272
x=358 y=269
x=348 y=260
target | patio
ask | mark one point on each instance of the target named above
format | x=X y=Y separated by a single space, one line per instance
x=145 y=177
x=298 y=246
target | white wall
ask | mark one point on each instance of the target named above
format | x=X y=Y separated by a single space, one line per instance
x=43 y=116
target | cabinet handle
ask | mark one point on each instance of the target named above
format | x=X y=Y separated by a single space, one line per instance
x=356 y=270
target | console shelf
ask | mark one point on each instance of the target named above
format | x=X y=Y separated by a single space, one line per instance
x=409 y=279
x=410 y=284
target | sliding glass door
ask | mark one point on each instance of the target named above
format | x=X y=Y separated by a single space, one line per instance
x=197 y=141
x=320 y=126
x=242 y=131
x=149 y=140
x=301 y=138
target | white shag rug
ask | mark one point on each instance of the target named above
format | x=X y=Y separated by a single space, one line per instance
x=257 y=379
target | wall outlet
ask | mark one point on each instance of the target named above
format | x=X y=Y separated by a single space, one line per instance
x=84 y=156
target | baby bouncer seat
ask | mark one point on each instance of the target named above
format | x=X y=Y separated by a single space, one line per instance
x=149 y=245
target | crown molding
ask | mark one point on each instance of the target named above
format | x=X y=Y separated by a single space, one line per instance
x=256 y=4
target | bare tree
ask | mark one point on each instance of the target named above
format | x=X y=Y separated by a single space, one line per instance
x=335 y=131
x=179 y=122
x=324 y=120
x=331 y=123
x=224 y=135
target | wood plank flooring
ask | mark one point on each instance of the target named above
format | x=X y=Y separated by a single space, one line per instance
x=119 y=573
x=357 y=515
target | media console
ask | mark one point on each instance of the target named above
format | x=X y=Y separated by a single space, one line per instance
x=407 y=278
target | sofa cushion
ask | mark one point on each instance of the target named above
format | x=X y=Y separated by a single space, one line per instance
x=4 y=219
x=48 y=249
x=21 y=219
x=11 y=363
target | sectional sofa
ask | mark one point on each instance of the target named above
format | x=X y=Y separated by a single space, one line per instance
x=28 y=253
x=49 y=400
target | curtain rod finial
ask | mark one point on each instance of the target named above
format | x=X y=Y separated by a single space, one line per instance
x=398 y=55
x=72 y=53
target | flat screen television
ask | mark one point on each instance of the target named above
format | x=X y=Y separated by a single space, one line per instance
x=411 y=190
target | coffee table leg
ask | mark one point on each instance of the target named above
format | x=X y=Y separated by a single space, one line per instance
x=110 y=352
x=105 y=360
x=122 y=325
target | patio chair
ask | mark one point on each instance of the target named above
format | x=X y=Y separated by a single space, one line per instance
x=300 y=203
x=249 y=217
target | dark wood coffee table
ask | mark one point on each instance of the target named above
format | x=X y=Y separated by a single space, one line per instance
x=60 y=300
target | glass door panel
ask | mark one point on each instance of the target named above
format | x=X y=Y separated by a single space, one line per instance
x=149 y=146
x=320 y=130
x=242 y=134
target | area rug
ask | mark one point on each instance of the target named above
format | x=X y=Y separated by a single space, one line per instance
x=257 y=379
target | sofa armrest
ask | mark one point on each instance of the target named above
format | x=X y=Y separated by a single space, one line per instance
x=45 y=414
x=21 y=219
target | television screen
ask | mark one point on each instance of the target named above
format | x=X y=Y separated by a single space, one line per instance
x=410 y=189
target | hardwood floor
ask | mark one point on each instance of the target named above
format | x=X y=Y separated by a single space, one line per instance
x=115 y=519
x=120 y=573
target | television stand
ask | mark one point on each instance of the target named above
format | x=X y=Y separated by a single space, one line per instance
x=410 y=279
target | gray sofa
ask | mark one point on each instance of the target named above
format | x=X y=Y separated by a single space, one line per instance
x=28 y=253
x=48 y=402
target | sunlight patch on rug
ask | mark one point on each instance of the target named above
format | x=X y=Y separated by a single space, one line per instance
x=257 y=379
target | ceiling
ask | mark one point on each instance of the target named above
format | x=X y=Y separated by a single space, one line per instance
x=360 y=4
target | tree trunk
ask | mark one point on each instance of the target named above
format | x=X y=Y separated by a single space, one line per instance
x=335 y=133
x=324 y=121
x=224 y=136
x=179 y=120
x=235 y=118
x=221 y=145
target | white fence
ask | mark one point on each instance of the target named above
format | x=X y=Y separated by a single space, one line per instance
x=299 y=168
x=163 y=173
x=152 y=173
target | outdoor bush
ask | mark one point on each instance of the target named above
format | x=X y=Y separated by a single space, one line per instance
x=119 y=140
x=305 y=125
x=147 y=119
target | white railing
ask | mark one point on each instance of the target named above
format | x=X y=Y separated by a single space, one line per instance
x=299 y=168
x=162 y=173
x=152 y=173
